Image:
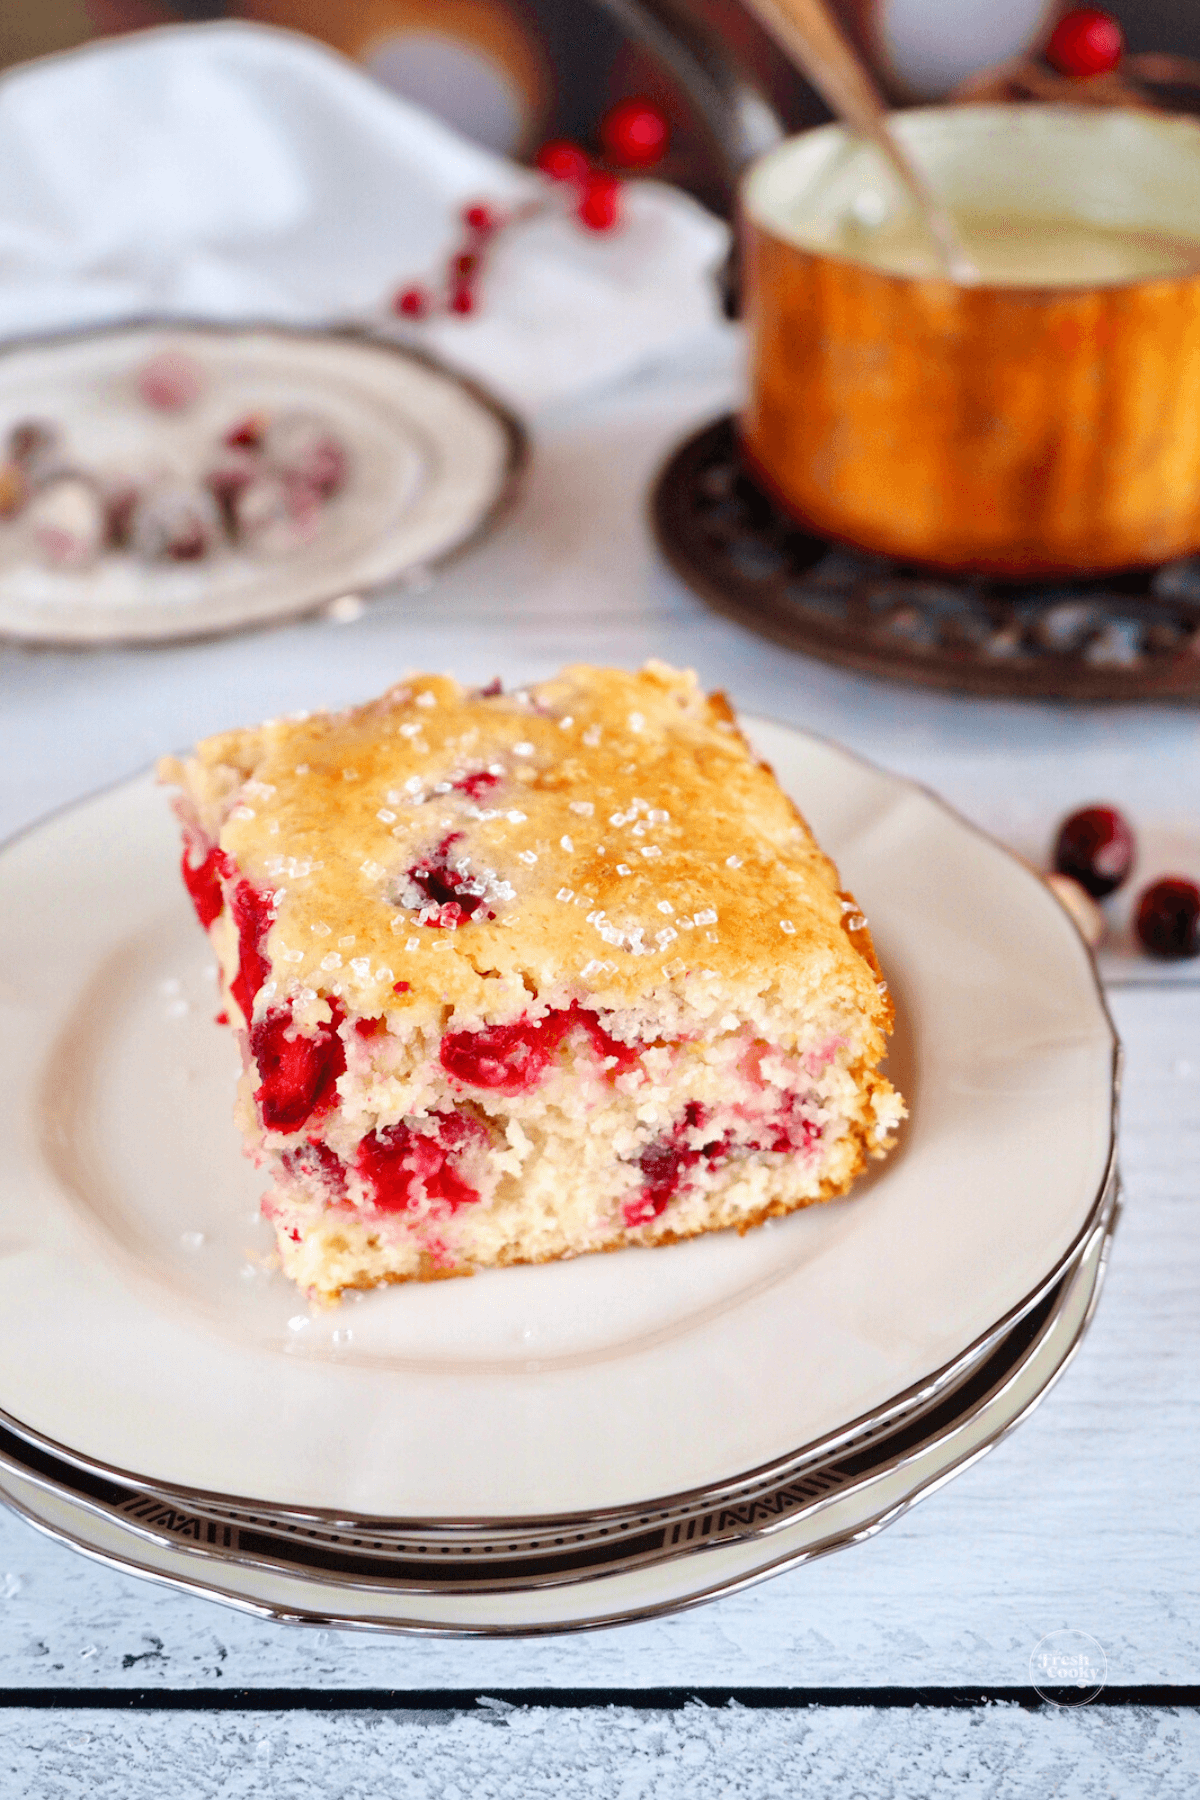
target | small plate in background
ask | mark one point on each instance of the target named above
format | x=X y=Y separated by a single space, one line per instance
x=432 y=462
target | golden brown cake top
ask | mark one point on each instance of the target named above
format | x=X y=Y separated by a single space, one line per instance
x=601 y=836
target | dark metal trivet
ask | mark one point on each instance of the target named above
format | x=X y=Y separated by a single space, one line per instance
x=1132 y=636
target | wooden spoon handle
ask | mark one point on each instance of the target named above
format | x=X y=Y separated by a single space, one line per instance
x=814 y=41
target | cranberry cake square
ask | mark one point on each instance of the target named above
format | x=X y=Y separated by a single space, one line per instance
x=519 y=976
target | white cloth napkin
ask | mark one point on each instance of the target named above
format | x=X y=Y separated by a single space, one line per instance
x=232 y=171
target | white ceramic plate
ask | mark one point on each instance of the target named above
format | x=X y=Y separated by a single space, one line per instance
x=142 y=1334
x=857 y=1512
x=430 y=460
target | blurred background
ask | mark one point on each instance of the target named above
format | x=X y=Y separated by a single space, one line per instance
x=513 y=73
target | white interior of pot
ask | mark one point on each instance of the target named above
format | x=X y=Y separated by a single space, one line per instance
x=1113 y=169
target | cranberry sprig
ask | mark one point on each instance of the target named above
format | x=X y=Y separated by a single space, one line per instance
x=460 y=288
x=635 y=135
x=594 y=194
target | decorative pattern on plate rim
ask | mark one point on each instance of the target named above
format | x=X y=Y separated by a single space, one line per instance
x=522 y=1561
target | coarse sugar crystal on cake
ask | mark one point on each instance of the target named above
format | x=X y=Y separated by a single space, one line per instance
x=518 y=976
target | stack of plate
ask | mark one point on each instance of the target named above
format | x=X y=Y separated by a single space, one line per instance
x=547 y=1448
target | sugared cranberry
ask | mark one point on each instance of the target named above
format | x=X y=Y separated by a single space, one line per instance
x=301 y=448
x=229 y=477
x=274 y=515
x=600 y=203
x=480 y=219
x=411 y=303
x=1096 y=848
x=36 y=445
x=562 y=160
x=634 y=134
x=174 y=521
x=247 y=433
x=120 y=496
x=67 y=521
x=298 y=1070
x=170 y=381
x=1085 y=41
x=1168 y=918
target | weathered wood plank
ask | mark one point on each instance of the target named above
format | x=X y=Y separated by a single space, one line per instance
x=698 y=1753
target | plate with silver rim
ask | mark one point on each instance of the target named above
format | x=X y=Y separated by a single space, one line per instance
x=309 y=1583
x=147 y=1337
x=430 y=461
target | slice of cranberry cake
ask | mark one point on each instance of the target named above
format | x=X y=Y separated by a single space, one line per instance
x=518 y=976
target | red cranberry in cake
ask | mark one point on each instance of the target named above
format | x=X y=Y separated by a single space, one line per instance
x=522 y=976
x=298 y=1069
x=409 y=1169
x=476 y=785
x=442 y=888
x=202 y=879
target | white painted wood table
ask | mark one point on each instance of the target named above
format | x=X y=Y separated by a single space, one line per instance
x=1087 y=1517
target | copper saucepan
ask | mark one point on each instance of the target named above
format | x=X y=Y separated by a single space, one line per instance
x=1032 y=424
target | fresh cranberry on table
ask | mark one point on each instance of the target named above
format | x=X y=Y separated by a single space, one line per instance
x=1095 y=848
x=1085 y=41
x=1168 y=918
x=634 y=134
x=563 y=161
